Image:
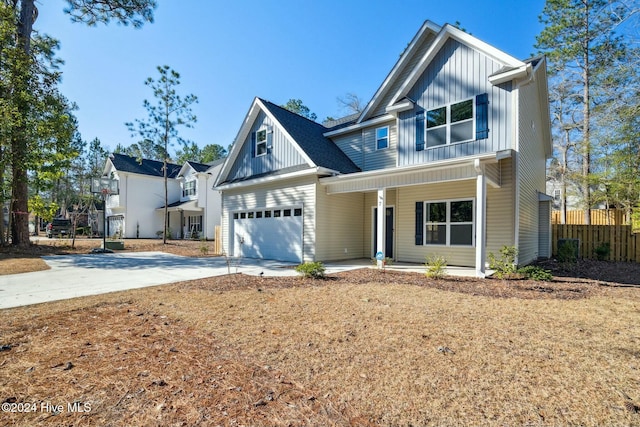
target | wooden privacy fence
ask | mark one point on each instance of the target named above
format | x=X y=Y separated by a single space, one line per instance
x=217 y=242
x=598 y=217
x=624 y=245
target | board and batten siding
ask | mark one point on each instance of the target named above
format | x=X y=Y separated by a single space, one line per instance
x=419 y=53
x=339 y=225
x=282 y=154
x=298 y=192
x=531 y=169
x=457 y=73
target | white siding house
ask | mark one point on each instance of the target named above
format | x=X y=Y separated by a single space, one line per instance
x=194 y=207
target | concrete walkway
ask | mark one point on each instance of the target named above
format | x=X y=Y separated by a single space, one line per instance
x=74 y=276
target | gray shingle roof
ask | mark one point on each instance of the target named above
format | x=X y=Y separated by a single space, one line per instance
x=309 y=136
x=130 y=164
x=199 y=167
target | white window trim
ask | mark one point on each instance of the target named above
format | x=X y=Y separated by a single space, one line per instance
x=194 y=220
x=185 y=189
x=388 y=138
x=448 y=223
x=448 y=123
x=258 y=143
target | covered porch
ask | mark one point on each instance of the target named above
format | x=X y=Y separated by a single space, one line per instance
x=185 y=220
x=402 y=204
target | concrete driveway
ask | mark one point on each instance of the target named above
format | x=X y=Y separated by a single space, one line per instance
x=73 y=276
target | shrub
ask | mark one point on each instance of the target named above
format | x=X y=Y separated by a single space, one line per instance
x=535 y=272
x=314 y=270
x=204 y=249
x=505 y=266
x=567 y=253
x=602 y=252
x=436 y=266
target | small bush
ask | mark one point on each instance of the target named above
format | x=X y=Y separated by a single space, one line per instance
x=602 y=252
x=567 y=253
x=505 y=266
x=436 y=266
x=204 y=248
x=314 y=270
x=534 y=272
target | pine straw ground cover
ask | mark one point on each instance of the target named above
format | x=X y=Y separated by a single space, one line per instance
x=361 y=348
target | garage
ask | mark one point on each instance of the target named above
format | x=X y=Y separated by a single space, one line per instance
x=269 y=234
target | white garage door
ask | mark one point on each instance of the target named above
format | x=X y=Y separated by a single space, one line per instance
x=269 y=234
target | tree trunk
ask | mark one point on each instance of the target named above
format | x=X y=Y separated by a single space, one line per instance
x=586 y=125
x=20 y=188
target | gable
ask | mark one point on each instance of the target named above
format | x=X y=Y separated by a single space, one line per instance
x=281 y=154
x=292 y=143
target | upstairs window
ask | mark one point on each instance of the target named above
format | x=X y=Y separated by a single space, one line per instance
x=261 y=142
x=450 y=124
x=382 y=138
x=461 y=121
x=189 y=189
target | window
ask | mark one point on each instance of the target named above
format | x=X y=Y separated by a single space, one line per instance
x=382 y=138
x=297 y=212
x=450 y=124
x=557 y=194
x=259 y=214
x=189 y=188
x=195 y=223
x=267 y=214
x=276 y=213
x=448 y=223
x=250 y=215
x=261 y=142
x=286 y=212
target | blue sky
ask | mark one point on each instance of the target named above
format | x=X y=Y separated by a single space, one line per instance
x=228 y=52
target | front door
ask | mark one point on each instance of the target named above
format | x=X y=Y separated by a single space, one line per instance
x=388 y=247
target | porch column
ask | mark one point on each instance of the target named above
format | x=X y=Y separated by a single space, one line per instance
x=481 y=221
x=381 y=220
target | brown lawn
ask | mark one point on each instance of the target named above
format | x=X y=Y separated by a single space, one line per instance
x=360 y=348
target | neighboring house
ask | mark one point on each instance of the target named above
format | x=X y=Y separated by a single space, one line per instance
x=199 y=207
x=447 y=158
x=138 y=210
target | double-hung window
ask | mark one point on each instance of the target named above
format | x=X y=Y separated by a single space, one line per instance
x=261 y=142
x=189 y=188
x=449 y=223
x=382 y=138
x=450 y=124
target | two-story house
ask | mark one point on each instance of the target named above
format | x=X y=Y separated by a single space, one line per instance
x=138 y=210
x=447 y=158
x=199 y=209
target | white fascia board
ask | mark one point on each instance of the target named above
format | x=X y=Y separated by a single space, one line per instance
x=236 y=146
x=409 y=169
x=272 y=178
x=184 y=169
x=373 y=122
x=393 y=74
x=287 y=135
x=516 y=74
x=447 y=32
x=399 y=107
